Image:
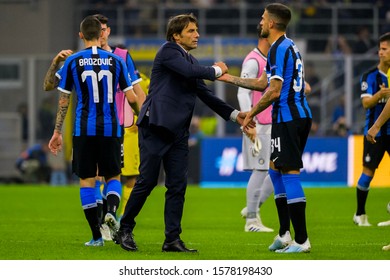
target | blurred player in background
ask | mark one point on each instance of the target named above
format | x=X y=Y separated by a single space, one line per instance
x=374 y=94
x=256 y=142
x=34 y=165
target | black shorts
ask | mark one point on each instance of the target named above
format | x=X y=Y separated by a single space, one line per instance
x=373 y=153
x=92 y=153
x=288 y=140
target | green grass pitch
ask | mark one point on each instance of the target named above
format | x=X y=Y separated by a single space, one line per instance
x=47 y=223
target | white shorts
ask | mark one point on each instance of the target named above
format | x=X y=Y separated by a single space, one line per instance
x=261 y=161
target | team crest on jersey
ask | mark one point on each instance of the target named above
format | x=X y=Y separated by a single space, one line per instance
x=364 y=86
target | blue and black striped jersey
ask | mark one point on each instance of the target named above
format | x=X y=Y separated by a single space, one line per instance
x=95 y=75
x=285 y=63
x=370 y=83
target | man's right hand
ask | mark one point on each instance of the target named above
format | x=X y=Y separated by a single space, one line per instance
x=222 y=65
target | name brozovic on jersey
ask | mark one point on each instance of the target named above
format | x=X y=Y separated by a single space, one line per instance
x=95 y=74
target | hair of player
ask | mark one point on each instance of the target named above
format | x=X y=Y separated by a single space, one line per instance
x=102 y=18
x=384 y=38
x=91 y=28
x=280 y=13
x=177 y=23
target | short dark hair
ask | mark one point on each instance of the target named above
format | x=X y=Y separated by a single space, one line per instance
x=281 y=14
x=91 y=28
x=177 y=23
x=102 y=18
x=384 y=38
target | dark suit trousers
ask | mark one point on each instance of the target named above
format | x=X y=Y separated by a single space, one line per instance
x=158 y=146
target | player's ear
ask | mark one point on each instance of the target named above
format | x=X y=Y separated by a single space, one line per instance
x=176 y=36
x=81 y=35
x=271 y=23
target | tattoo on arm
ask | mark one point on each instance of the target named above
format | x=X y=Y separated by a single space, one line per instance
x=63 y=105
x=249 y=83
x=265 y=101
x=51 y=81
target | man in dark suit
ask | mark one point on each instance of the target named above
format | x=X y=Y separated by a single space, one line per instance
x=164 y=120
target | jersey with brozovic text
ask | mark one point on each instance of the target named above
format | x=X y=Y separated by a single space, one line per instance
x=95 y=74
x=285 y=63
x=370 y=84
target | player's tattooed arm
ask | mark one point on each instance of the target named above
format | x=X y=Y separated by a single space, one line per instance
x=63 y=105
x=51 y=80
x=249 y=83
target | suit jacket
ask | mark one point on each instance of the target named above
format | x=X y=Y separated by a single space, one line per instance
x=176 y=81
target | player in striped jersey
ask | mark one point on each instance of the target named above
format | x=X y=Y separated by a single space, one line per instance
x=94 y=74
x=291 y=123
x=374 y=94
